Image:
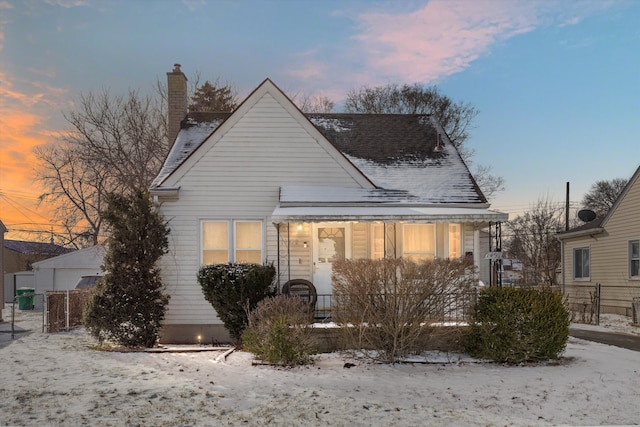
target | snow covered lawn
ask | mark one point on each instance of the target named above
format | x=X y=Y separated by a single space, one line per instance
x=55 y=379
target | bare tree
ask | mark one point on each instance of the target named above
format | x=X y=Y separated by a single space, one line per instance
x=455 y=117
x=113 y=144
x=533 y=242
x=603 y=194
x=313 y=104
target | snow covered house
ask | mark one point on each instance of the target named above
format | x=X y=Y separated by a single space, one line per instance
x=606 y=251
x=268 y=183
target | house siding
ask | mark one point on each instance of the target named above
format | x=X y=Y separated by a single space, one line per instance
x=609 y=255
x=239 y=177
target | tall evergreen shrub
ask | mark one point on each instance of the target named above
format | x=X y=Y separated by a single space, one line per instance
x=234 y=290
x=128 y=305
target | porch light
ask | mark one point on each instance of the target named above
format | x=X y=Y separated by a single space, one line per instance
x=299 y=227
x=199 y=338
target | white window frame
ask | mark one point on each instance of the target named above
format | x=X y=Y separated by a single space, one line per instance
x=231 y=237
x=633 y=259
x=582 y=249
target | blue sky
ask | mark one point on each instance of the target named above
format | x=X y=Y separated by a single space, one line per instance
x=557 y=83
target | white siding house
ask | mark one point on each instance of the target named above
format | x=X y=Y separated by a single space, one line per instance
x=268 y=183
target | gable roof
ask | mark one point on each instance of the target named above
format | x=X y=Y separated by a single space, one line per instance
x=393 y=152
x=3 y=229
x=90 y=257
x=598 y=225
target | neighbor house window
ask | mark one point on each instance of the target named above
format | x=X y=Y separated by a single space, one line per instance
x=634 y=259
x=419 y=241
x=231 y=241
x=377 y=241
x=581 y=261
x=455 y=242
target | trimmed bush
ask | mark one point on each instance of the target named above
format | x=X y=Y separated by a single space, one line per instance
x=279 y=331
x=387 y=305
x=234 y=290
x=516 y=325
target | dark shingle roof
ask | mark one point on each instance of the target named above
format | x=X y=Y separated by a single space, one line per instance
x=395 y=151
x=32 y=248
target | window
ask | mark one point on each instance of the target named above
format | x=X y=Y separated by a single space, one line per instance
x=581 y=263
x=419 y=241
x=243 y=245
x=455 y=247
x=634 y=258
x=377 y=241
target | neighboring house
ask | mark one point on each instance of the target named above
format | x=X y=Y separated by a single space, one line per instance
x=19 y=255
x=63 y=272
x=3 y=230
x=268 y=183
x=606 y=251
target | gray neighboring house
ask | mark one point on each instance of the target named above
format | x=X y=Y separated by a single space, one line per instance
x=63 y=272
x=268 y=183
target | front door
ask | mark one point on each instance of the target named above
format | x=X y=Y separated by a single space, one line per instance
x=331 y=242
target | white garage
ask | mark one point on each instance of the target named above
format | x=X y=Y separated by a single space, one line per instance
x=63 y=272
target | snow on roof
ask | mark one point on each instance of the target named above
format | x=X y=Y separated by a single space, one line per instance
x=190 y=137
x=305 y=194
x=442 y=180
x=397 y=152
x=385 y=213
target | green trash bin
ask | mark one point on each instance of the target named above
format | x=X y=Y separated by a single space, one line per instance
x=26 y=298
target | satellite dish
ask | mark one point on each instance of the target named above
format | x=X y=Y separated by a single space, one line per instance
x=586 y=215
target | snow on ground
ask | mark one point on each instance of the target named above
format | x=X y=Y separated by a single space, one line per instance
x=57 y=380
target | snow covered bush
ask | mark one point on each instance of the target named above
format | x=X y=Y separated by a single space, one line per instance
x=279 y=331
x=515 y=325
x=235 y=289
x=388 y=305
x=128 y=305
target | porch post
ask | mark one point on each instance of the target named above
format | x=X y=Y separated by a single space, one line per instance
x=278 y=250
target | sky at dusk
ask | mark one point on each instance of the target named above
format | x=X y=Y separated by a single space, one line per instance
x=557 y=83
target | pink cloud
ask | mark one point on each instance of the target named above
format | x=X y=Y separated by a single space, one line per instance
x=442 y=38
x=424 y=45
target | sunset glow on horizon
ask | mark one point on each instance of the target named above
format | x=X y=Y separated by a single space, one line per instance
x=554 y=81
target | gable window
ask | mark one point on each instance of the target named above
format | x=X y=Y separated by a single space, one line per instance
x=581 y=261
x=231 y=241
x=634 y=259
x=455 y=246
x=419 y=241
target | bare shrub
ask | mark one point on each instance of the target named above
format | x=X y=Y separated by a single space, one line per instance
x=279 y=331
x=387 y=305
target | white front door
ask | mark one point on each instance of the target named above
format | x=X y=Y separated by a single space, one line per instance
x=331 y=242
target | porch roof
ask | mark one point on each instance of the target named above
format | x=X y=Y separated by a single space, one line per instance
x=385 y=214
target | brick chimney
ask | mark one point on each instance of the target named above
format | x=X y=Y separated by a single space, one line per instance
x=177 y=100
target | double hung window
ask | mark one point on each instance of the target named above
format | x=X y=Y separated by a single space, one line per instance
x=634 y=259
x=231 y=241
x=581 y=263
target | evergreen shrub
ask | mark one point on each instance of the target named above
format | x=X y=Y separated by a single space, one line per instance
x=234 y=290
x=516 y=325
x=128 y=305
x=279 y=331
